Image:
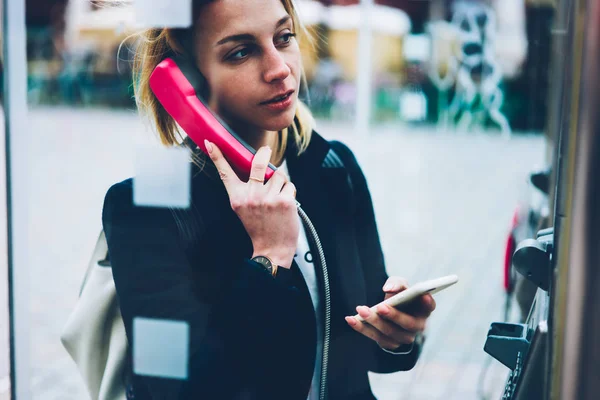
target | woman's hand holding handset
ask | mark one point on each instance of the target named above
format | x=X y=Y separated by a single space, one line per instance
x=268 y=211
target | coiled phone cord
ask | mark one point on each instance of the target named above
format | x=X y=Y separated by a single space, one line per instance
x=325 y=356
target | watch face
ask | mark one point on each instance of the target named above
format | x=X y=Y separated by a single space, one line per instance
x=265 y=263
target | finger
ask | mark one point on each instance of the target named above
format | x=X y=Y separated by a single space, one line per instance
x=422 y=306
x=289 y=190
x=395 y=284
x=260 y=163
x=406 y=321
x=428 y=303
x=387 y=327
x=276 y=183
x=228 y=176
x=372 y=333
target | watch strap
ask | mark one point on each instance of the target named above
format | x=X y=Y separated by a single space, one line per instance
x=283 y=275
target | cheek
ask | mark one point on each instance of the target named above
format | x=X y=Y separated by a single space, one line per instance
x=294 y=60
x=232 y=92
x=228 y=85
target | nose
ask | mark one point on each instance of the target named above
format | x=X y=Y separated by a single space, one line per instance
x=275 y=67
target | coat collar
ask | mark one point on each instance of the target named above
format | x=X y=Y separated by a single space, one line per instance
x=314 y=155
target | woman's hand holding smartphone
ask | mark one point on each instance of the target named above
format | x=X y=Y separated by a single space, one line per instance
x=268 y=211
x=403 y=313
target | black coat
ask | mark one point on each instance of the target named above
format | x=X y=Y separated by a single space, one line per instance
x=253 y=336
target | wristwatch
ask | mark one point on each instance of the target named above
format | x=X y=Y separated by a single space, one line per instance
x=269 y=265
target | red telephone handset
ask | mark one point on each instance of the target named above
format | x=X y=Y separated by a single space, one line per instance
x=177 y=84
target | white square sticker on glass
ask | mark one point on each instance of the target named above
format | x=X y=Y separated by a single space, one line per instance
x=416 y=47
x=160 y=348
x=163 y=13
x=413 y=106
x=162 y=177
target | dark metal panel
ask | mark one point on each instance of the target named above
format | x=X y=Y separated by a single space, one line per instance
x=581 y=349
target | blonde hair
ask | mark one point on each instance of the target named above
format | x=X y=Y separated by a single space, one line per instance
x=155 y=44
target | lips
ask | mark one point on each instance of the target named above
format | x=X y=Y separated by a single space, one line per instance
x=279 y=97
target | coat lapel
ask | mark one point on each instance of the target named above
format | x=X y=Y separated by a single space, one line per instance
x=325 y=194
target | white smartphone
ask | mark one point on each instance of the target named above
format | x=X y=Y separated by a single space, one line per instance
x=431 y=286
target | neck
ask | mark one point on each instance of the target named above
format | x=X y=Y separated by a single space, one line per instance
x=267 y=138
x=262 y=138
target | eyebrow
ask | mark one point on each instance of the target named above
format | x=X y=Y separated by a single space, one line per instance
x=247 y=36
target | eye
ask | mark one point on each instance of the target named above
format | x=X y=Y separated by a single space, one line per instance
x=286 y=38
x=240 y=54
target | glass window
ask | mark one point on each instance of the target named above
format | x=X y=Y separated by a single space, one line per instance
x=413 y=134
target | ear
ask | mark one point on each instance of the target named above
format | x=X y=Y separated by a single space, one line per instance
x=188 y=63
x=204 y=89
x=190 y=69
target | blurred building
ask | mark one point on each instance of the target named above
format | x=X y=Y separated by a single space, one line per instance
x=338 y=26
x=73 y=47
x=418 y=11
x=73 y=52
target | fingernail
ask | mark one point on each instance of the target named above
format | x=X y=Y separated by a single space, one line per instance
x=351 y=321
x=208 y=146
x=387 y=287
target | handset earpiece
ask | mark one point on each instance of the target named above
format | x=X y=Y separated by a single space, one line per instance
x=178 y=85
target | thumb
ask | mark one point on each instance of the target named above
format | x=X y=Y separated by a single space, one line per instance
x=395 y=284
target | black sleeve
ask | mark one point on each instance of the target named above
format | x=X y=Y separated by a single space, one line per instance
x=234 y=341
x=372 y=260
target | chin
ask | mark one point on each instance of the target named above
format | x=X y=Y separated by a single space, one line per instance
x=279 y=122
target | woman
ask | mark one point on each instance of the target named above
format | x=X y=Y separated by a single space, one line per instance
x=257 y=333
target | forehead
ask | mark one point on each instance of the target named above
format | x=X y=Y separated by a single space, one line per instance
x=230 y=17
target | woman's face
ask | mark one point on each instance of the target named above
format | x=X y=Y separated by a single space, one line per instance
x=247 y=52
